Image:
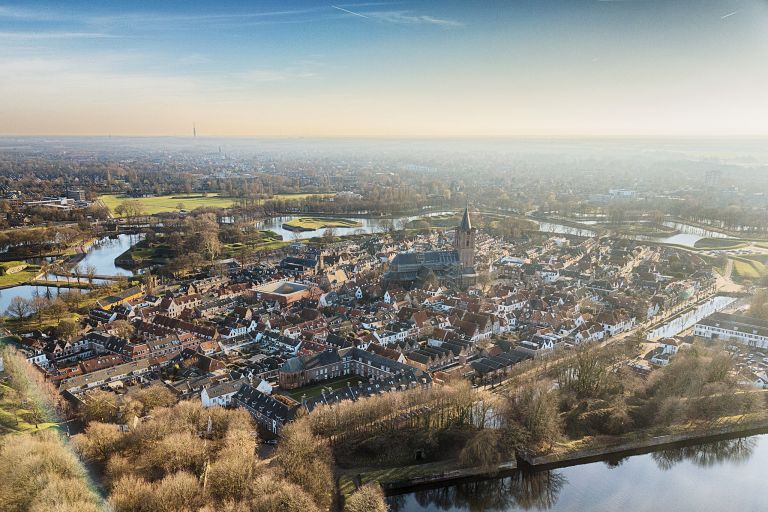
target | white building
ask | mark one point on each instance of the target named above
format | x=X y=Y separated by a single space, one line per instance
x=735 y=328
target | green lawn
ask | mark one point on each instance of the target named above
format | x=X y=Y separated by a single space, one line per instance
x=748 y=269
x=169 y=203
x=315 y=389
x=313 y=223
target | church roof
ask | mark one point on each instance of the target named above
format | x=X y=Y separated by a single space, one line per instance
x=466 y=224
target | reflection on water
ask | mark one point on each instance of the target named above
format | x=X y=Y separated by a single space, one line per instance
x=29 y=292
x=737 y=451
x=697 y=478
x=520 y=490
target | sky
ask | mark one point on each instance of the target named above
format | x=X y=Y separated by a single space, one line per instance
x=394 y=69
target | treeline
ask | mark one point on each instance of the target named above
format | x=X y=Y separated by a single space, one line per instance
x=39 y=240
x=598 y=395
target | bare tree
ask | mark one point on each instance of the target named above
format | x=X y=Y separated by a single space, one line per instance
x=20 y=308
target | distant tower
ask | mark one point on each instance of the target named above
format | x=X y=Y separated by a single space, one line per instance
x=194 y=130
x=465 y=240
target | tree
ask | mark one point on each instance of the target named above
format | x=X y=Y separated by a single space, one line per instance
x=155 y=396
x=328 y=235
x=38 y=304
x=99 y=440
x=122 y=329
x=99 y=406
x=20 y=308
x=56 y=309
x=534 y=409
x=304 y=459
x=211 y=245
x=368 y=498
x=67 y=329
x=90 y=272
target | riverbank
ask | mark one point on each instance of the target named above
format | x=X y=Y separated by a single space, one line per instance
x=584 y=451
x=418 y=475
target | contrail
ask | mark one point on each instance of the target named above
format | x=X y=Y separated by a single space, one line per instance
x=348 y=11
x=728 y=15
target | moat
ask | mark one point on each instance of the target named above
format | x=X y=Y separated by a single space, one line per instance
x=713 y=476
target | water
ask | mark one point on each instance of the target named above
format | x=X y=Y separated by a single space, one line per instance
x=28 y=292
x=708 y=477
x=689 y=319
x=560 y=229
x=688 y=235
x=102 y=254
x=369 y=225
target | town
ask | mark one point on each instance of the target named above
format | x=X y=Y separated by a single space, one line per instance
x=287 y=307
x=388 y=256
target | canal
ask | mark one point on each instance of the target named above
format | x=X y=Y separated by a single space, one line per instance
x=101 y=255
x=708 y=477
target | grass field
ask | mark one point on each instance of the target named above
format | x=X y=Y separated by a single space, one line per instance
x=313 y=223
x=161 y=204
x=748 y=269
x=316 y=389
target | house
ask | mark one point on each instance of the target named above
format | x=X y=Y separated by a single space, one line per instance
x=133 y=293
x=220 y=395
x=271 y=412
x=741 y=329
x=116 y=373
x=174 y=306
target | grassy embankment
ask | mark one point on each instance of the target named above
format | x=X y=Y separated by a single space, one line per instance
x=719 y=244
x=313 y=223
x=574 y=449
x=145 y=253
x=26 y=275
x=749 y=267
x=39 y=470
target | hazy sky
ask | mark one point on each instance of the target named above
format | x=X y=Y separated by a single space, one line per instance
x=393 y=69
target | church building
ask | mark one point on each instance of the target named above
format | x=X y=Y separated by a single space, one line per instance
x=453 y=268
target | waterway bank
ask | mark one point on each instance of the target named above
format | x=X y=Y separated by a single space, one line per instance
x=624 y=447
x=411 y=477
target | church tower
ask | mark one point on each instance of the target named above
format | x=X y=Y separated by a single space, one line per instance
x=465 y=241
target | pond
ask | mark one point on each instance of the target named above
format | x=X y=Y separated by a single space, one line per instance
x=707 y=477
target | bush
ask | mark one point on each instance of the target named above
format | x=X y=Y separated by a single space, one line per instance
x=39 y=473
x=368 y=498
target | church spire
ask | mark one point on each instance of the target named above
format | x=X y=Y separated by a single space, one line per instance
x=466 y=224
